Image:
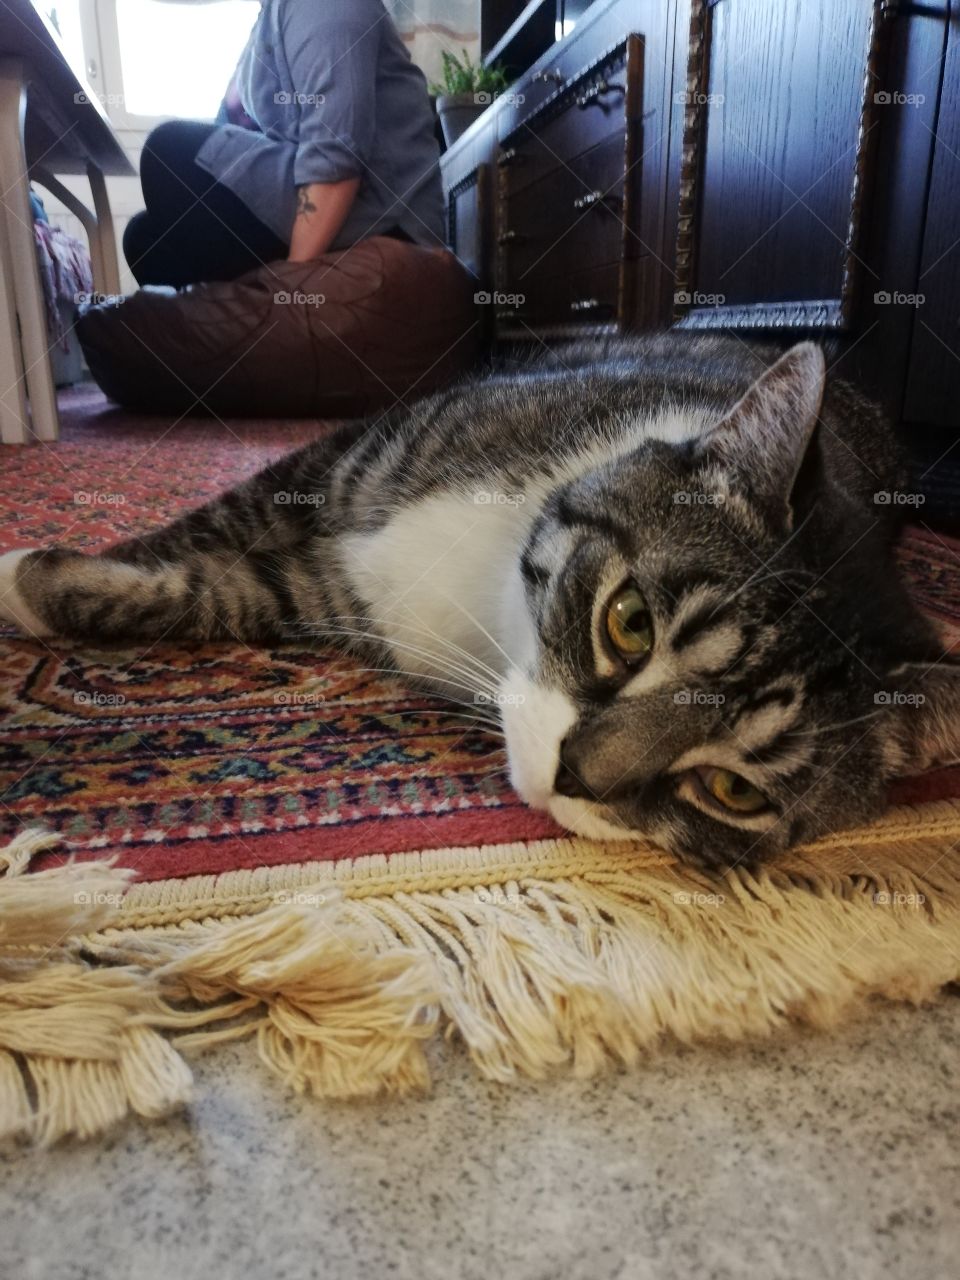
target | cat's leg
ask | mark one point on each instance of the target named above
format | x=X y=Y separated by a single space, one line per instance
x=236 y=567
x=204 y=596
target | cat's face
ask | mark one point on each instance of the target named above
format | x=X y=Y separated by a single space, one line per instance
x=697 y=668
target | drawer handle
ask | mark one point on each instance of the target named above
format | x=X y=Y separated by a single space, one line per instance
x=509 y=156
x=596 y=91
x=509 y=237
x=591 y=198
x=587 y=304
x=545 y=76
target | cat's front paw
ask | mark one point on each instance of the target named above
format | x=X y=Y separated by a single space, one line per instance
x=13 y=607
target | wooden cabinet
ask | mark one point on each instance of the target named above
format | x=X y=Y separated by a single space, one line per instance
x=932 y=391
x=779 y=116
x=577 y=154
x=770 y=167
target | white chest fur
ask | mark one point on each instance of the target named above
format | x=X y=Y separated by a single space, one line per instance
x=434 y=580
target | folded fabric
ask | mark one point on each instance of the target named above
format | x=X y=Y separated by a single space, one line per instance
x=344 y=335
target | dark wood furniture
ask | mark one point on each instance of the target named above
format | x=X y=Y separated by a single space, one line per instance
x=779 y=167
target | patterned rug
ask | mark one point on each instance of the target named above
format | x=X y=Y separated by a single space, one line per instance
x=186 y=761
x=366 y=871
x=189 y=761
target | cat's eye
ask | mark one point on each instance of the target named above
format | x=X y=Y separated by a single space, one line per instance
x=629 y=625
x=731 y=791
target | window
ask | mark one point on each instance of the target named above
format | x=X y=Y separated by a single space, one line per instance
x=162 y=59
x=65 y=17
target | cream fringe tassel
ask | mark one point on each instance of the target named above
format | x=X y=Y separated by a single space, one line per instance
x=560 y=954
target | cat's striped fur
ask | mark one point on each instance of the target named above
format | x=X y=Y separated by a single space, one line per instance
x=475 y=541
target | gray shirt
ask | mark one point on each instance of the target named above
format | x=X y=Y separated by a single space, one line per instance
x=333 y=88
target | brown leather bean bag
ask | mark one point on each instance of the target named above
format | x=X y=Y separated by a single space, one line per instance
x=338 y=337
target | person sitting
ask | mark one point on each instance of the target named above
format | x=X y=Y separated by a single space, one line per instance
x=301 y=234
x=334 y=143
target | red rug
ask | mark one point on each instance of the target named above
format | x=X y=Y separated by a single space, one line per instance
x=185 y=761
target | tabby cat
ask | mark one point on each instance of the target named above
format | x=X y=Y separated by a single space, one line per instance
x=666 y=566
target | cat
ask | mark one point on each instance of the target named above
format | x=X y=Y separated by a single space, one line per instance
x=666 y=566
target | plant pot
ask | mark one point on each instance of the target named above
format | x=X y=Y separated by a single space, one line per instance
x=458 y=111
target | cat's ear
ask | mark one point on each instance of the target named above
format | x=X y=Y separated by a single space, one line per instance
x=770 y=434
x=924 y=704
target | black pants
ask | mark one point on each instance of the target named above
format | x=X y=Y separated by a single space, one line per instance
x=193 y=228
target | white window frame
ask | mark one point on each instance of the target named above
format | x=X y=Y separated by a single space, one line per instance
x=105 y=66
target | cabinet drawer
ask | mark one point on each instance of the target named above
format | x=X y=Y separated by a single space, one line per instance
x=586 y=203
x=556 y=301
x=568 y=189
x=593 y=106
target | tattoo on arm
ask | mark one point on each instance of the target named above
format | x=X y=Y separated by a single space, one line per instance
x=305 y=205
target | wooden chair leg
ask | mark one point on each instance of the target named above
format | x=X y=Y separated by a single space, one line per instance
x=27 y=290
x=105 y=230
x=14 y=416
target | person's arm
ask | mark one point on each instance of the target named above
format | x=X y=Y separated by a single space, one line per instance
x=322 y=208
x=332 y=55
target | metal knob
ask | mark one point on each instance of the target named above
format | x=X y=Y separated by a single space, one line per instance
x=594 y=93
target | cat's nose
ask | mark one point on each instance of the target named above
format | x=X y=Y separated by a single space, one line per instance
x=566 y=783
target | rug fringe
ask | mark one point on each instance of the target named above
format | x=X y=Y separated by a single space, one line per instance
x=343 y=991
x=74 y=1057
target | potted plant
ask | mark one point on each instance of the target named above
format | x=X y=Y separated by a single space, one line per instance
x=467 y=90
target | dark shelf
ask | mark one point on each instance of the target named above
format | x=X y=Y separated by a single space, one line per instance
x=530 y=34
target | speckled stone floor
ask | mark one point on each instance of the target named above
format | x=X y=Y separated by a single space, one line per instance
x=813 y=1155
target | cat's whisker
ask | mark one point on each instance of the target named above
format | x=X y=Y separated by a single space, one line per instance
x=471 y=660
x=457 y=650
x=490 y=725
x=835 y=728
x=466 y=678
x=481 y=628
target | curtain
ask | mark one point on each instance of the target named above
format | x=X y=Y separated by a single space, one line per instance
x=429 y=26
